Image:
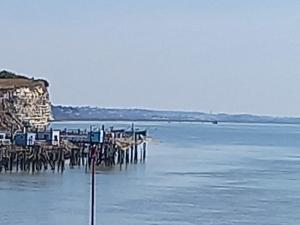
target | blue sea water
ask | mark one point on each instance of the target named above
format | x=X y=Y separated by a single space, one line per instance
x=195 y=174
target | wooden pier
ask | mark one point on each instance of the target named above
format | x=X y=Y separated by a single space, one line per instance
x=118 y=147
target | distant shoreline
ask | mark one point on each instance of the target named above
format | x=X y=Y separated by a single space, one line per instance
x=174 y=121
x=67 y=113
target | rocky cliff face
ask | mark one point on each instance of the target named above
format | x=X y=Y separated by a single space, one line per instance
x=24 y=103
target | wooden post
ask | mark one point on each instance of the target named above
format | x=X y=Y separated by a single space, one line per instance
x=1 y=158
x=33 y=161
x=127 y=156
x=131 y=154
x=51 y=160
x=24 y=160
x=86 y=159
x=21 y=161
x=78 y=157
x=82 y=156
x=135 y=149
x=38 y=159
x=144 y=151
x=89 y=159
x=105 y=155
x=72 y=158
x=10 y=160
x=62 y=160
x=58 y=160
x=122 y=157
x=119 y=156
x=17 y=163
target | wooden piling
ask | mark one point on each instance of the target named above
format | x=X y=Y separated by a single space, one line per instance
x=17 y=163
x=62 y=160
x=144 y=151
x=135 y=149
x=1 y=157
x=72 y=159
x=131 y=154
x=127 y=156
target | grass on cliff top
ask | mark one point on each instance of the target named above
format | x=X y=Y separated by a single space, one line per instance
x=9 y=80
x=9 y=75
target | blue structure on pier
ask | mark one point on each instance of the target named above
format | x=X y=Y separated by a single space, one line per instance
x=96 y=137
x=25 y=139
x=52 y=136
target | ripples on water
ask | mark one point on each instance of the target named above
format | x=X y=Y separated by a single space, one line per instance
x=199 y=174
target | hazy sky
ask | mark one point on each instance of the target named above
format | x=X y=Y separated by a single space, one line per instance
x=229 y=56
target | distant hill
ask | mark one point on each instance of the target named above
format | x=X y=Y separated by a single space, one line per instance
x=95 y=113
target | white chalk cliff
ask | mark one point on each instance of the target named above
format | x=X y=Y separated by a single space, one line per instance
x=24 y=102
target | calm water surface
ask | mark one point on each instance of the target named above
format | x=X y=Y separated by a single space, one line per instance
x=198 y=174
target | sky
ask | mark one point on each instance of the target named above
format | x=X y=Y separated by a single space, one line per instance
x=227 y=56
